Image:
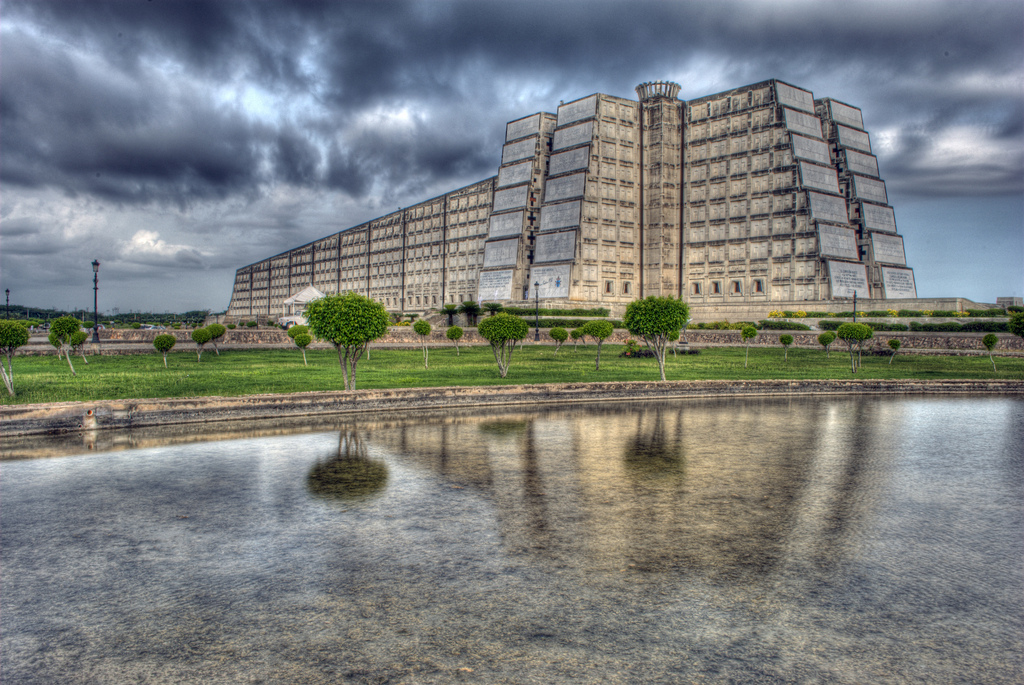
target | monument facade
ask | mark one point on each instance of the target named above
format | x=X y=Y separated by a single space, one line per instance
x=758 y=198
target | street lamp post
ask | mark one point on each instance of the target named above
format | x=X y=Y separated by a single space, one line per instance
x=8 y=293
x=95 y=300
x=536 y=311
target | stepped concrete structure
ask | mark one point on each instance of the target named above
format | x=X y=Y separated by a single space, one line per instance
x=758 y=198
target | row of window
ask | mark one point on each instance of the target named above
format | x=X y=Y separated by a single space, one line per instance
x=734 y=287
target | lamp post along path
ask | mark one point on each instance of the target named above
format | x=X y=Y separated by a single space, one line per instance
x=536 y=311
x=95 y=300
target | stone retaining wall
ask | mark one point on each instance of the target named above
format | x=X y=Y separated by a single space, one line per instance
x=65 y=417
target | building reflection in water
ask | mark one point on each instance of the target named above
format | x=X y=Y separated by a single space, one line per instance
x=731 y=489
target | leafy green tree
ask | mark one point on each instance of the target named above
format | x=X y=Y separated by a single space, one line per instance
x=61 y=332
x=658 y=320
x=77 y=343
x=200 y=337
x=450 y=310
x=472 y=310
x=422 y=329
x=350 y=322
x=786 y=341
x=12 y=336
x=825 y=340
x=302 y=341
x=297 y=330
x=748 y=333
x=163 y=344
x=217 y=331
x=599 y=330
x=559 y=335
x=503 y=331
x=136 y=325
x=894 y=345
x=493 y=307
x=1016 y=324
x=990 y=341
x=577 y=334
x=454 y=333
x=854 y=333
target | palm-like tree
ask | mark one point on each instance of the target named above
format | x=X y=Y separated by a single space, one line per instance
x=493 y=307
x=471 y=309
x=450 y=310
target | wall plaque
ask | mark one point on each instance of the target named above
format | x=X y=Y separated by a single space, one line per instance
x=828 y=208
x=501 y=253
x=564 y=215
x=494 y=285
x=575 y=111
x=835 y=241
x=880 y=218
x=860 y=163
x=515 y=174
x=870 y=189
x=808 y=148
x=888 y=248
x=555 y=247
x=554 y=281
x=898 y=283
x=570 y=160
x=858 y=140
x=794 y=97
x=844 y=114
x=847 y=278
x=522 y=127
x=502 y=225
x=808 y=124
x=565 y=187
x=524 y=149
x=819 y=177
x=574 y=135
x=511 y=198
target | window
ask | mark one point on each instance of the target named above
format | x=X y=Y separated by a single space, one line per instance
x=696 y=288
x=758 y=286
x=625 y=288
x=736 y=288
x=608 y=285
x=716 y=288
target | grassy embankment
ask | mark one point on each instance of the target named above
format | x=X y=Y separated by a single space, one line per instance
x=247 y=372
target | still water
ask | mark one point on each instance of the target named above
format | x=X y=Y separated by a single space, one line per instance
x=863 y=540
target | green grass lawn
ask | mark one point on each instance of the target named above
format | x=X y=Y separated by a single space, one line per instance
x=248 y=372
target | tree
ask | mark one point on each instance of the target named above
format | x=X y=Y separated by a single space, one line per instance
x=852 y=333
x=12 y=336
x=658 y=320
x=577 y=334
x=163 y=344
x=78 y=339
x=786 y=341
x=422 y=329
x=350 y=322
x=990 y=341
x=748 y=333
x=1016 y=324
x=450 y=310
x=61 y=331
x=472 y=310
x=454 y=333
x=302 y=341
x=493 y=307
x=503 y=331
x=599 y=330
x=825 y=340
x=559 y=335
x=894 y=345
x=200 y=336
x=297 y=330
x=217 y=331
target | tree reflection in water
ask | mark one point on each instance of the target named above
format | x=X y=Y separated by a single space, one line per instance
x=655 y=452
x=350 y=475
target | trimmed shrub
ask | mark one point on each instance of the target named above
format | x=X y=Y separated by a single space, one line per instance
x=528 y=311
x=769 y=325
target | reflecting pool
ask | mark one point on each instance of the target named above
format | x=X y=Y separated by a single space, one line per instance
x=811 y=540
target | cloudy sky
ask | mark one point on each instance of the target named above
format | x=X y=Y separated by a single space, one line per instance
x=176 y=141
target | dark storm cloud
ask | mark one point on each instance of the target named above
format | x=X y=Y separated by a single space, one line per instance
x=119 y=127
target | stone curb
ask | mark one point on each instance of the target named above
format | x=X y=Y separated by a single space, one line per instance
x=70 y=417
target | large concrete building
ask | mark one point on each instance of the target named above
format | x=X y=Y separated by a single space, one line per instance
x=758 y=198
